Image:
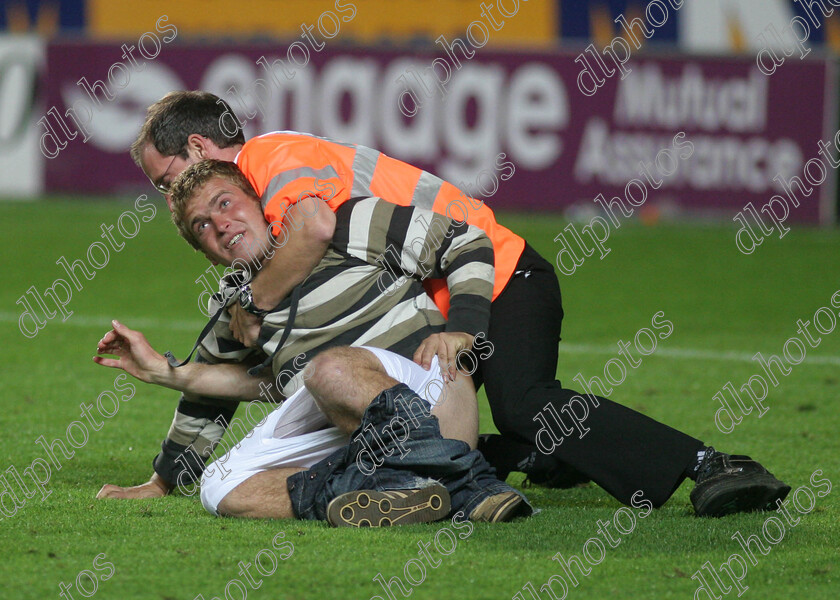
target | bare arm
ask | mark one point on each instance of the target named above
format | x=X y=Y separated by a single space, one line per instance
x=308 y=230
x=310 y=225
x=136 y=357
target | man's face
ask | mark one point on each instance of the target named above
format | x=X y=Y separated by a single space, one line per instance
x=228 y=223
x=162 y=170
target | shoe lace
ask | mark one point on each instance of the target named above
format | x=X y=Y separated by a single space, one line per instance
x=707 y=464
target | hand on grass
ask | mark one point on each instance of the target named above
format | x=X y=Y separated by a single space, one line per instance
x=154 y=488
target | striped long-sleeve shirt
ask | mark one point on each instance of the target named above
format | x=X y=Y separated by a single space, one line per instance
x=367 y=290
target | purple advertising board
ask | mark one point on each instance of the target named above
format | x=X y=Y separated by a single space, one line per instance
x=724 y=133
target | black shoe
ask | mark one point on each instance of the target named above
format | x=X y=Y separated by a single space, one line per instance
x=370 y=508
x=730 y=484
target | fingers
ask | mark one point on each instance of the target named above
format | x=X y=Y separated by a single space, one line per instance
x=113 y=363
x=433 y=345
x=418 y=354
x=113 y=491
x=105 y=348
x=114 y=348
x=244 y=326
x=444 y=361
x=129 y=335
x=109 y=341
x=458 y=342
x=449 y=357
x=236 y=322
x=118 y=338
x=121 y=330
x=138 y=491
x=110 y=337
x=452 y=359
x=251 y=334
x=239 y=330
x=234 y=329
x=446 y=346
x=430 y=348
x=117 y=348
x=108 y=491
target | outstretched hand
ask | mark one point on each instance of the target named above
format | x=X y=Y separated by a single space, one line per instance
x=446 y=346
x=134 y=354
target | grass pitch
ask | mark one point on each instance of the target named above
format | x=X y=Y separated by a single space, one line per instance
x=725 y=307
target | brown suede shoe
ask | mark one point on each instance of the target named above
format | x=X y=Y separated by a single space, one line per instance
x=501 y=507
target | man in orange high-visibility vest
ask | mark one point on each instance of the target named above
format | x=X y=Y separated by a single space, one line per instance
x=586 y=437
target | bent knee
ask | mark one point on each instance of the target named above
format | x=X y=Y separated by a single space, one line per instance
x=325 y=368
x=336 y=367
x=263 y=495
x=235 y=502
x=230 y=506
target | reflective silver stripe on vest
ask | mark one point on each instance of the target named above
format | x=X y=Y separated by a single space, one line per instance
x=278 y=182
x=426 y=191
x=364 y=164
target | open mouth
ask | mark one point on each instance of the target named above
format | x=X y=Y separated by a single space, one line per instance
x=235 y=239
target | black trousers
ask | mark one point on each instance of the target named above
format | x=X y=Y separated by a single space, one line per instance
x=624 y=451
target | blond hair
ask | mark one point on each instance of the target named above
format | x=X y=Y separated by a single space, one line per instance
x=190 y=183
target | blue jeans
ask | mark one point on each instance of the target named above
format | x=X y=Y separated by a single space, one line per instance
x=397 y=446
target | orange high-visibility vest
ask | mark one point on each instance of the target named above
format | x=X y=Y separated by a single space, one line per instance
x=287 y=166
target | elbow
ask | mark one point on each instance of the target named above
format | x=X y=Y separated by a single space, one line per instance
x=321 y=226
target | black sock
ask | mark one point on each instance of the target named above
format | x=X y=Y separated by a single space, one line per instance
x=694 y=465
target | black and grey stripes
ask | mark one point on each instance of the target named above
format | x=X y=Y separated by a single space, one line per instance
x=368 y=287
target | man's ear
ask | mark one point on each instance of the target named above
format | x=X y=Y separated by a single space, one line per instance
x=198 y=146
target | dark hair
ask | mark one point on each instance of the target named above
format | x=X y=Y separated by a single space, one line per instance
x=176 y=116
x=192 y=180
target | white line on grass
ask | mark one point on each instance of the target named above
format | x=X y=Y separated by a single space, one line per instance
x=103 y=322
x=691 y=354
